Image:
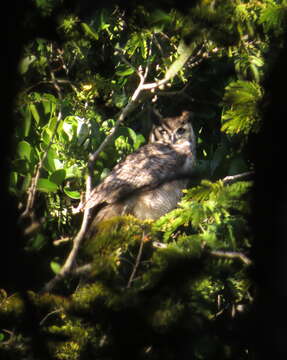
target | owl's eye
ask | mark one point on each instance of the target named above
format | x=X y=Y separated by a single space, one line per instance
x=181 y=131
x=162 y=131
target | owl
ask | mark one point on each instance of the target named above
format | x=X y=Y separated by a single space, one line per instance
x=149 y=182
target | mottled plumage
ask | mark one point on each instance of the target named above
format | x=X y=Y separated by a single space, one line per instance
x=148 y=183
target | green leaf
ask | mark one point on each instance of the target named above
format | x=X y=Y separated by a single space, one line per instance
x=13 y=182
x=25 y=63
x=24 y=150
x=35 y=113
x=82 y=132
x=55 y=267
x=242 y=111
x=140 y=140
x=46 y=106
x=70 y=126
x=160 y=16
x=26 y=183
x=132 y=135
x=103 y=24
x=52 y=124
x=52 y=163
x=255 y=72
x=36 y=243
x=73 y=171
x=119 y=100
x=58 y=176
x=49 y=103
x=13 y=178
x=72 y=193
x=125 y=71
x=2 y=336
x=27 y=121
x=259 y=62
x=46 y=135
x=89 y=31
x=46 y=185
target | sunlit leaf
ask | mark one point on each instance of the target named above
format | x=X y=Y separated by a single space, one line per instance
x=72 y=193
x=88 y=30
x=125 y=71
x=27 y=121
x=55 y=267
x=13 y=178
x=26 y=182
x=140 y=140
x=24 y=150
x=70 y=125
x=35 y=113
x=82 y=132
x=25 y=64
x=58 y=176
x=46 y=185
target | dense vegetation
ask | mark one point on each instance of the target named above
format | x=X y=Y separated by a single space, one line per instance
x=179 y=287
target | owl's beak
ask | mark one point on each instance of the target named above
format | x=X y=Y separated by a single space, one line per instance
x=173 y=138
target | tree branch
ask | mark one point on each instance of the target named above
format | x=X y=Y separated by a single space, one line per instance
x=231 y=178
x=231 y=255
x=217 y=253
x=138 y=259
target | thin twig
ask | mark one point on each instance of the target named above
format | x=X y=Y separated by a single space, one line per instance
x=49 y=314
x=138 y=259
x=62 y=240
x=173 y=93
x=231 y=178
x=218 y=253
x=231 y=255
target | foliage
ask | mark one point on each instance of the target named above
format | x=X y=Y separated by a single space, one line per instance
x=174 y=288
x=243 y=116
x=216 y=211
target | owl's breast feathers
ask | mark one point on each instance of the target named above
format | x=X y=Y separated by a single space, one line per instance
x=145 y=169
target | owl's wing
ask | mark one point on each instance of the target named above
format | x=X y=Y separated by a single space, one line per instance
x=146 y=168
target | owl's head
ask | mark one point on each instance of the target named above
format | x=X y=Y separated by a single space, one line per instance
x=174 y=130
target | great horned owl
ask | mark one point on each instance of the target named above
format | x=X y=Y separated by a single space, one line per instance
x=149 y=182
